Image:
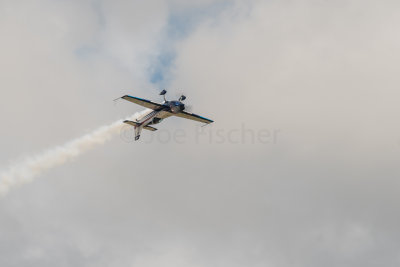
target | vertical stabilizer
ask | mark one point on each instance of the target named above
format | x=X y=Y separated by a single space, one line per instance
x=138 y=130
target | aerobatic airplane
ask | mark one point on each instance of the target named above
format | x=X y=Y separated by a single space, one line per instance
x=156 y=112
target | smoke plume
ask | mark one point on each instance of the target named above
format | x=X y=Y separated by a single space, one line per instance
x=28 y=169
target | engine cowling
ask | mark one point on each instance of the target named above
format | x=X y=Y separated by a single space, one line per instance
x=176 y=106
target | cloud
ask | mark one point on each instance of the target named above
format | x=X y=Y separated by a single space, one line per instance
x=306 y=67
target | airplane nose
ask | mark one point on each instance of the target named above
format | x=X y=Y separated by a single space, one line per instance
x=175 y=109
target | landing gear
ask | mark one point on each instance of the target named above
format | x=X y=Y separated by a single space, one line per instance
x=163 y=92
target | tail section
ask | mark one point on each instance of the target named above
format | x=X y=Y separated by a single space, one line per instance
x=138 y=128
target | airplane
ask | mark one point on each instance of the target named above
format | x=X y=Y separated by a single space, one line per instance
x=156 y=112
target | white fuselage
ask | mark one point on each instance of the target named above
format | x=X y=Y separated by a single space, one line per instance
x=148 y=115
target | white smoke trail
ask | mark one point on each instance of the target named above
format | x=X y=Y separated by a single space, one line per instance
x=25 y=171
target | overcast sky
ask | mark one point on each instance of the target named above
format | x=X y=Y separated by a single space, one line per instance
x=300 y=168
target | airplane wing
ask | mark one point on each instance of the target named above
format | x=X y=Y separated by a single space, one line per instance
x=143 y=102
x=194 y=117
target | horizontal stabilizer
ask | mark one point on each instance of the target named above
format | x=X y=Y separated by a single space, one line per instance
x=150 y=128
x=132 y=123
